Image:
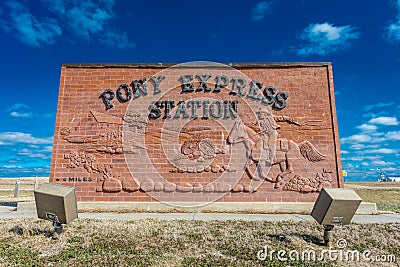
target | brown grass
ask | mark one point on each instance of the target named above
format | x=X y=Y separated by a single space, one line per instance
x=372 y=184
x=182 y=243
x=385 y=199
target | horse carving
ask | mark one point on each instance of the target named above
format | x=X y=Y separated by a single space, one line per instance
x=263 y=153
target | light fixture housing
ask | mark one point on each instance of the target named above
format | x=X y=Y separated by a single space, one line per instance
x=56 y=203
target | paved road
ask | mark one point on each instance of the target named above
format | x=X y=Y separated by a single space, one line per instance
x=11 y=212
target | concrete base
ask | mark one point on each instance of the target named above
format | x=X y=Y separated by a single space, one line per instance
x=228 y=207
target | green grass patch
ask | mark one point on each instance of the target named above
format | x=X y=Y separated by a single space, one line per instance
x=388 y=207
x=385 y=199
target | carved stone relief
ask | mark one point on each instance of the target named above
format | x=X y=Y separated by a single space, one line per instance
x=108 y=181
x=109 y=134
x=135 y=121
x=197 y=154
x=307 y=185
x=260 y=141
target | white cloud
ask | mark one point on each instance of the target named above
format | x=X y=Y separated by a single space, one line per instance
x=18 y=106
x=325 y=38
x=357 y=138
x=19 y=110
x=378 y=105
x=377 y=134
x=382 y=163
x=117 y=40
x=11 y=167
x=393 y=29
x=260 y=10
x=367 y=127
x=27 y=27
x=86 y=17
x=393 y=135
x=363 y=158
x=374 y=115
x=344 y=152
x=378 y=140
x=381 y=151
x=384 y=121
x=32 y=154
x=355 y=146
x=20 y=171
x=88 y=20
x=392 y=169
x=47 y=149
x=20 y=114
x=18 y=137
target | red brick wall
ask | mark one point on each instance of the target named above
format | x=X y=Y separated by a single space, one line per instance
x=108 y=158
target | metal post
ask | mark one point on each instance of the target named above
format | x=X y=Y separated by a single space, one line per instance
x=58 y=228
x=35 y=185
x=16 y=189
x=328 y=235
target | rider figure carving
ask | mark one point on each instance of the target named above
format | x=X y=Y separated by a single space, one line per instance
x=269 y=134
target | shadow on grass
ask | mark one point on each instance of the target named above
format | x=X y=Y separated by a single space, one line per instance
x=307 y=238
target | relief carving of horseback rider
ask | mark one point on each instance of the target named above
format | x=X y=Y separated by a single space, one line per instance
x=268 y=133
x=264 y=149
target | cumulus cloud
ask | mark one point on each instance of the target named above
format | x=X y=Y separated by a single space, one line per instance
x=357 y=138
x=325 y=38
x=10 y=138
x=367 y=127
x=395 y=135
x=384 y=121
x=260 y=10
x=87 y=20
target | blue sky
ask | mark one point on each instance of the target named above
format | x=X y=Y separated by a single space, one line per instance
x=361 y=38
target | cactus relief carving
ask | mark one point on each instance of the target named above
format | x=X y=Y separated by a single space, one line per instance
x=307 y=185
x=109 y=182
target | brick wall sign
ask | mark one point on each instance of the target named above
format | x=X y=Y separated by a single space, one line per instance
x=197 y=132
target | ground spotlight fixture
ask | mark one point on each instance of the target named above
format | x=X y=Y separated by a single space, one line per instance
x=56 y=203
x=335 y=206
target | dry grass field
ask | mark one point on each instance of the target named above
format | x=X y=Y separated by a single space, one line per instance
x=187 y=243
x=385 y=195
x=196 y=243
